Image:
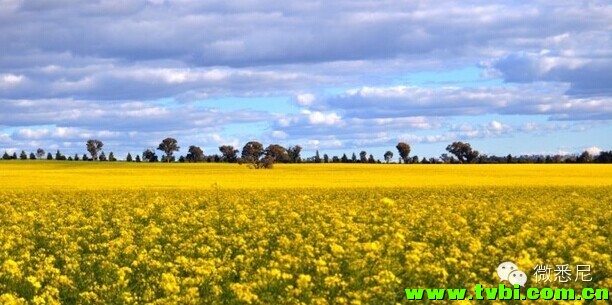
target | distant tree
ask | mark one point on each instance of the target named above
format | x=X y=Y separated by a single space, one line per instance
x=585 y=157
x=548 y=159
x=76 y=157
x=354 y=158
x=129 y=158
x=49 y=156
x=40 y=153
x=317 y=157
x=404 y=151
x=335 y=159
x=294 y=153
x=59 y=156
x=137 y=158
x=277 y=152
x=6 y=156
x=344 y=159
x=415 y=159
x=604 y=157
x=424 y=161
x=84 y=158
x=168 y=146
x=445 y=158
x=94 y=147
x=149 y=156
x=102 y=157
x=252 y=152
x=181 y=159
x=111 y=157
x=388 y=156
x=371 y=159
x=14 y=156
x=69 y=158
x=32 y=156
x=463 y=152
x=363 y=156
x=325 y=158
x=229 y=153
x=194 y=154
x=23 y=155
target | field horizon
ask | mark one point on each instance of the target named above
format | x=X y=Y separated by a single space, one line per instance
x=58 y=175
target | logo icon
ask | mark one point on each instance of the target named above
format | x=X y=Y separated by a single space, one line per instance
x=508 y=271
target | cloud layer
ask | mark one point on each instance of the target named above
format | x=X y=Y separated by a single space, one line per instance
x=74 y=69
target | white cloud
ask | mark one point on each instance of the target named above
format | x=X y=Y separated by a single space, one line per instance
x=10 y=80
x=317 y=118
x=593 y=150
x=305 y=99
x=279 y=134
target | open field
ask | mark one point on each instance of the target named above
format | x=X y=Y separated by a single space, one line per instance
x=118 y=233
x=94 y=176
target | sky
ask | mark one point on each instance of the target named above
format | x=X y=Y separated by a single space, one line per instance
x=519 y=77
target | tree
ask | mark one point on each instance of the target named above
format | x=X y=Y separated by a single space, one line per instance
x=371 y=159
x=344 y=159
x=363 y=156
x=277 y=152
x=40 y=153
x=229 y=153
x=509 y=158
x=128 y=158
x=59 y=156
x=354 y=158
x=137 y=159
x=76 y=157
x=604 y=157
x=32 y=156
x=23 y=155
x=168 y=146
x=149 y=156
x=252 y=152
x=325 y=158
x=194 y=154
x=84 y=158
x=111 y=157
x=415 y=159
x=94 y=147
x=404 y=151
x=102 y=157
x=585 y=157
x=14 y=156
x=49 y=156
x=294 y=153
x=6 y=156
x=388 y=156
x=317 y=157
x=335 y=159
x=463 y=151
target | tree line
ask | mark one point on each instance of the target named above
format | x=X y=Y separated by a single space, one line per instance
x=255 y=155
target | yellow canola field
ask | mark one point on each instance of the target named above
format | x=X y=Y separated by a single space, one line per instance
x=298 y=234
x=81 y=175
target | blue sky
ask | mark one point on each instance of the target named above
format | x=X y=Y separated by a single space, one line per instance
x=520 y=77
